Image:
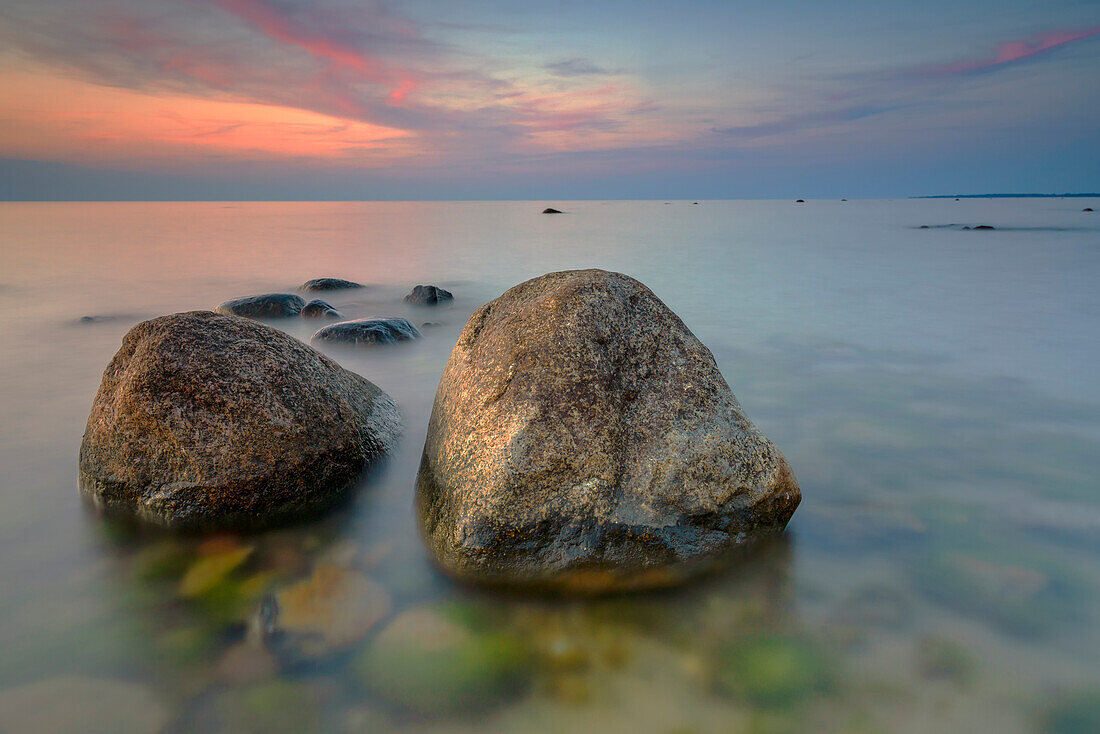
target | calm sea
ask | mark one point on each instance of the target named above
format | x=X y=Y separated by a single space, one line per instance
x=935 y=391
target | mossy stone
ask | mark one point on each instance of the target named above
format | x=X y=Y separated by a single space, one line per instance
x=773 y=671
x=430 y=662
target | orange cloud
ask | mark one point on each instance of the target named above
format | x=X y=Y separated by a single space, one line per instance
x=49 y=117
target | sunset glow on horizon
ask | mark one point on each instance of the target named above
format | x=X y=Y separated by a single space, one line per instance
x=728 y=98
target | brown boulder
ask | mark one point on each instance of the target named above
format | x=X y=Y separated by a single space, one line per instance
x=205 y=420
x=583 y=439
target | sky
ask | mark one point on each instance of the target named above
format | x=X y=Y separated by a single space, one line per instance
x=603 y=99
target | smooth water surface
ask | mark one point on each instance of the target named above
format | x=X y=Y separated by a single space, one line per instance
x=934 y=390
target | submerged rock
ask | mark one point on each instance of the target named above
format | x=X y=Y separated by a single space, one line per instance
x=428 y=295
x=772 y=671
x=551 y=210
x=583 y=439
x=328 y=284
x=331 y=610
x=368 y=331
x=317 y=309
x=82 y=705
x=1077 y=713
x=266 y=306
x=427 y=660
x=204 y=420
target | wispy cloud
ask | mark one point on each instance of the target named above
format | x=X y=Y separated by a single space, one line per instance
x=804 y=121
x=1007 y=53
x=574 y=67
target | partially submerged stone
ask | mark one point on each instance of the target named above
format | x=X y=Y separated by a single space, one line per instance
x=368 y=331
x=428 y=295
x=583 y=439
x=318 y=309
x=266 y=306
x=328 y=284
x=204 y=420
x=551 y=210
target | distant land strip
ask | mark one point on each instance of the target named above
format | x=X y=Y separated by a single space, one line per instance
x=1009 y=196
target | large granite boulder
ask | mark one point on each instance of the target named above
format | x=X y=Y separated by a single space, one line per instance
x=266 y=306
x=583 y=439
x=204 y=420
x=387 y=330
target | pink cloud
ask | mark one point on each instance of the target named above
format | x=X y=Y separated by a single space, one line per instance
x=279 y=26
x=1008 y=52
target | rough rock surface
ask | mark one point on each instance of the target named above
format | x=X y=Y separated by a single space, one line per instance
x=328 y=284
x=317 y=309
x=204 y=420
x=266 y=306
x=368 y=331
x=428 y=295
x=583 y=439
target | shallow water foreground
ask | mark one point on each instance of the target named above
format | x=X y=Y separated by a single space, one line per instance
x=933 y=390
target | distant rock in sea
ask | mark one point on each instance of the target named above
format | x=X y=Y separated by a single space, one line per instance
x=1087 y=209
x=923 y=226
x=211 y=421
x=984 y=226
x=551 y=210
x=584 y=440
x=317 y=309
x=266 y=306
x=428 y=295
x=328 y=284
x=799 y=201
x=387 y=330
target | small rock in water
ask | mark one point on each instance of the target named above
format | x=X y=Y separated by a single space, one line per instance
x=966 y=227
x=984 y=226
x=799 y=201
x=772 y=671
x=328 y=284
x=266 y=306
x=1087 y=209
x=317 y=309
x=388 y=330
x=427 y=660
x=428 y=295
x=205 y=420
x=583 y=439
x=551 y=210
x=924 y=226
x=326 y=613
